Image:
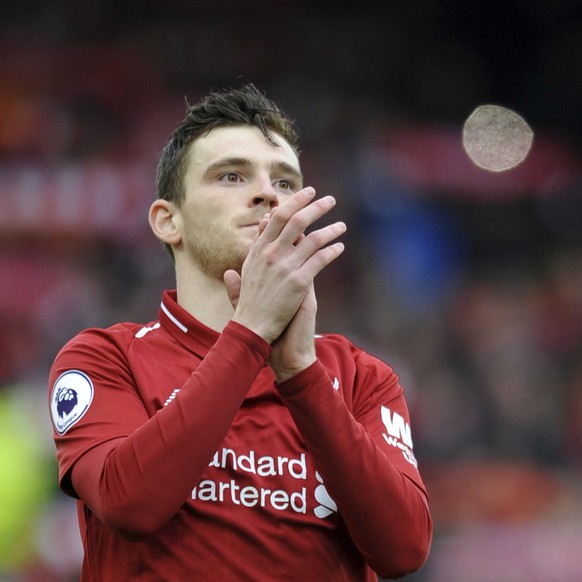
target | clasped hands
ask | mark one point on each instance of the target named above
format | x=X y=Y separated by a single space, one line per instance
x=274 y=294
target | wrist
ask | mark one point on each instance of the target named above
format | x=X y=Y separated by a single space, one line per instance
x=257 y=330
x=284 y=373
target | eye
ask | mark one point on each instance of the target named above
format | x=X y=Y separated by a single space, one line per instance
x=285 y=185
x=230 y=178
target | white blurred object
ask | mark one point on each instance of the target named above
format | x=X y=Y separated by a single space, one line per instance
x=496 y=138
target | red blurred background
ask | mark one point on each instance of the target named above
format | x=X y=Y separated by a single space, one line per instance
x=469 y=283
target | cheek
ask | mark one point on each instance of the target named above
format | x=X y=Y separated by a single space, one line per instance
x=200 y=214
x=208 y=227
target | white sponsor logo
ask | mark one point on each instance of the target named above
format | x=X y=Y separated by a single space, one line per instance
x=399 y=434
x=266 y=466
x=336 y=384
x=327 y=505
x=249 y=496
x=71 y=397
x=146 y=329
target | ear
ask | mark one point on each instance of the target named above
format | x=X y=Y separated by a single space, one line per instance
x=163 y=219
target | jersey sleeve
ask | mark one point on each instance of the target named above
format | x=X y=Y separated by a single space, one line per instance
x=361 y=442
x=93 y=398
x=134 y=471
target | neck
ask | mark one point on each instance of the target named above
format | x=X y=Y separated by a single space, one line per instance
x=204 y=297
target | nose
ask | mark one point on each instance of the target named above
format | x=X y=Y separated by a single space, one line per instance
x=265 y=193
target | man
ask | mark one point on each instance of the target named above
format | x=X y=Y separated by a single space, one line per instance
x=226 y=441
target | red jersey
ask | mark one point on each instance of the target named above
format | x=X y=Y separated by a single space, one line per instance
x=212 y=471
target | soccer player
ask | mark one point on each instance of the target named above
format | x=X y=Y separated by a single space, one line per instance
x=227 y=441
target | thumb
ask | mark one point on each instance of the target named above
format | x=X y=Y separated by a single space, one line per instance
x=232 y=284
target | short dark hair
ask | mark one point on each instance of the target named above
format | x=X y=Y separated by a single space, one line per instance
x=225 y=108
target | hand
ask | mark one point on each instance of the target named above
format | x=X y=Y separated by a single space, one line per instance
x=282 y=264
x=294 y=349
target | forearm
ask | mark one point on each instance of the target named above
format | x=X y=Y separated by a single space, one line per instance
x=136 y=484
x=385 y=512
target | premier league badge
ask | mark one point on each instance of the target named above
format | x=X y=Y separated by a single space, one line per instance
x=70 y=398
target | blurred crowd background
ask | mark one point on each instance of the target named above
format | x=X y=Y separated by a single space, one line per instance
x=469 y=283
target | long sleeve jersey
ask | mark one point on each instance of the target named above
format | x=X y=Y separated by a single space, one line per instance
x=202 y=467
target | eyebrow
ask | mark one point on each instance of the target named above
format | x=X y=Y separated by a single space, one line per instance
x=276 y=166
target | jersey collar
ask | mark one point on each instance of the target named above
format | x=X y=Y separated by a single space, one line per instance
x=183 y=327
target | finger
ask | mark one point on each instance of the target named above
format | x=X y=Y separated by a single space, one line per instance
x=316 y=240
x=290 y=226
x=299 y=239
x=281 y=215
x=232 y=282
x=263 y=223
x=321 y=259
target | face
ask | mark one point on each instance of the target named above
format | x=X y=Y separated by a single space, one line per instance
x=234 y=177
